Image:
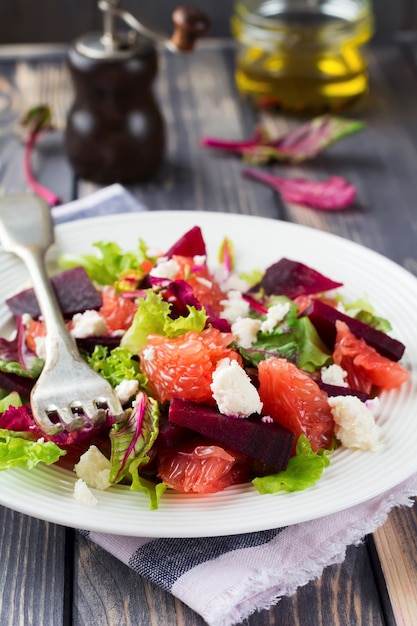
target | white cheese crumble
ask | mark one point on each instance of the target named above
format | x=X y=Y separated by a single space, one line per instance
x=205 y=282
x=83 y=495
x=126 y=389
x=355 y=425
x=88 y=324
x=232 y=283
x=165 y=269
x=233 y=390
x=245 y=330
x=94 y=468
x=235 y=306
x=334 y=375
x=199 y=259
x=40 y=347
x=26 y=319
x=274 y=316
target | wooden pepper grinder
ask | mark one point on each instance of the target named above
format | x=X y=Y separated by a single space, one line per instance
x=115 y=130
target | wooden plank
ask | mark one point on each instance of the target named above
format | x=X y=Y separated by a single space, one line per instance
x=45 y=81
x=397 y=550
x=193 y=178
x=32 y=571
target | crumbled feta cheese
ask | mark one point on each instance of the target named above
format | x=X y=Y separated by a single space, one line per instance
x=245 y=330
x=205 y=282
x=232 y=283
x=267 y=419
x=83 y=495
x=88 y=324
x=126 y=389
x=233 y=390
x=334 y=375
x=94 y=468
x=40 y=348
x=199 y=259
x=235 y=306
x=153 y=252
x=354 y=423
x=26 y=319
x=165 y=269
x=373 y=405
x=275 y=315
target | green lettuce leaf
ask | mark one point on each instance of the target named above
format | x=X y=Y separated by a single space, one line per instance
x=11 y=399
x=132 y=438
x=106 y=269
x=149 y=319
x=152 y=317
x=195 y=320
x=22 y=450
x=294 y=339
x=116 y=365
x=253 y=277
x=13 y=367
x=363 y=311
x=303 y=470
x=312 y=354
x=154 y=491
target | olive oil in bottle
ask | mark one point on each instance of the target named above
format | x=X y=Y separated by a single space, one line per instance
x=302 y=54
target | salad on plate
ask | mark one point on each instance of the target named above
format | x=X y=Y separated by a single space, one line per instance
x=224 y=378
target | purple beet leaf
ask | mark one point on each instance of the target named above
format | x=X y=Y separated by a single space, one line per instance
x=333 y=194
x=132 y=438
x=305 y=142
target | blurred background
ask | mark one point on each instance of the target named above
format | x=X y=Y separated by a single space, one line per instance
x=60 y=21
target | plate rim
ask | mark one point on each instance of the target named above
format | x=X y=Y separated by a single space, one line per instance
x=62 y=231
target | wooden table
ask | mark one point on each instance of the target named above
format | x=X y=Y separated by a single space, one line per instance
x=51 y=575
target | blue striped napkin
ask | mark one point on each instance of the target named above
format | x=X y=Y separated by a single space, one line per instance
x=226 y=579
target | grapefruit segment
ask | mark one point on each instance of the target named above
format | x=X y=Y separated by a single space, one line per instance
x=292 y=398
x=364 y=365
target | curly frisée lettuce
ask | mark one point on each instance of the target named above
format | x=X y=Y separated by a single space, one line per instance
x=303 y=470
x=116 y=365
x=113 y=262
x=152 y=318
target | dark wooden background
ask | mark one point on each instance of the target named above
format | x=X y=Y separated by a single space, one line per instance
x=60 y=21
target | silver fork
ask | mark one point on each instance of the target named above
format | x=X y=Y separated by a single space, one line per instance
x=68 y=392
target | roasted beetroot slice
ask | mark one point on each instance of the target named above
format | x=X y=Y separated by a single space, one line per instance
x=292 y=279
x=336 y=390
x=170 y=435
x=324 y=317
x=190 y=244
x=74 y=289
x=89 y=343
x=269 y=443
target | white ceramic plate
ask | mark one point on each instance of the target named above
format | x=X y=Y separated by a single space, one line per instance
x=352 y=477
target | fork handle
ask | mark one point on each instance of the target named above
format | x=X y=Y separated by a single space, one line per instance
x=26 y=230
